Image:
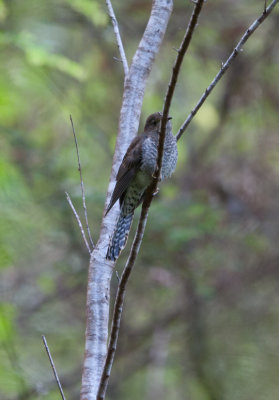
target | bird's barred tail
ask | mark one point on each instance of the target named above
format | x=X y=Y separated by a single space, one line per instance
x=120 y=236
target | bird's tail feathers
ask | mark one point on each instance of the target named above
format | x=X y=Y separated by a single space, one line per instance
x=119 y=238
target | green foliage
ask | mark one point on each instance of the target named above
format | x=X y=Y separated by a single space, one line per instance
x=7 y=312
x=11 y=380
x=18 y=232
x=38 y=56
x=91 y=9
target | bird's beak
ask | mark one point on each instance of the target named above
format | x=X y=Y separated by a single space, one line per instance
x=169 y=118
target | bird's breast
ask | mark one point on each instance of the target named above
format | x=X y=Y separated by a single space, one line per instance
x=149 y=156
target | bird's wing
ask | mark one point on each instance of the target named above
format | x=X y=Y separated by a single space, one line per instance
x=127 y=170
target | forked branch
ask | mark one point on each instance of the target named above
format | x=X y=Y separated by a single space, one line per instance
x=118 y=306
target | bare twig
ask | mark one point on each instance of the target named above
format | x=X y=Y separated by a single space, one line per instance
x=226 y=65
x=172 y=84
x=82 y=187
x=118 y=38
x=118 y=306
x=53 y=368
x=78 y=221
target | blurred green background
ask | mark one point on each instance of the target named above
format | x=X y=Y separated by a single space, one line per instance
x=201 y=315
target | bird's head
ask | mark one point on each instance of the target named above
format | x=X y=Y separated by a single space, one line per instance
x=153 y=122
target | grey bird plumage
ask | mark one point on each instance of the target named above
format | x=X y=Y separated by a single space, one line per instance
x=135 y=175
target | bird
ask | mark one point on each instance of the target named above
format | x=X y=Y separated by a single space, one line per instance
x=135 y=174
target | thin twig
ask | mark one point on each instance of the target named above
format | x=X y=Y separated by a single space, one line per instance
x=172 y=84
x=82 y=187
x=118 y=306
x=78 y=221
x=226 y=65
x=53 y=368
x=118 y=38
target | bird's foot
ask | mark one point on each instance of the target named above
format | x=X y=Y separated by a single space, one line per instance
x=156 y=192
x=154 y=176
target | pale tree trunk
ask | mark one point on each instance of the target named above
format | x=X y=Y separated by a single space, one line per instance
x=100 y=269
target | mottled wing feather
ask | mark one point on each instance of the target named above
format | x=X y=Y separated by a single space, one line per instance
x=127 y=170
x=132 y=157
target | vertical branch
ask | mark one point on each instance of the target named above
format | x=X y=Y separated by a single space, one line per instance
x=118 y=38
x=53 y=368
x=82 y=187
